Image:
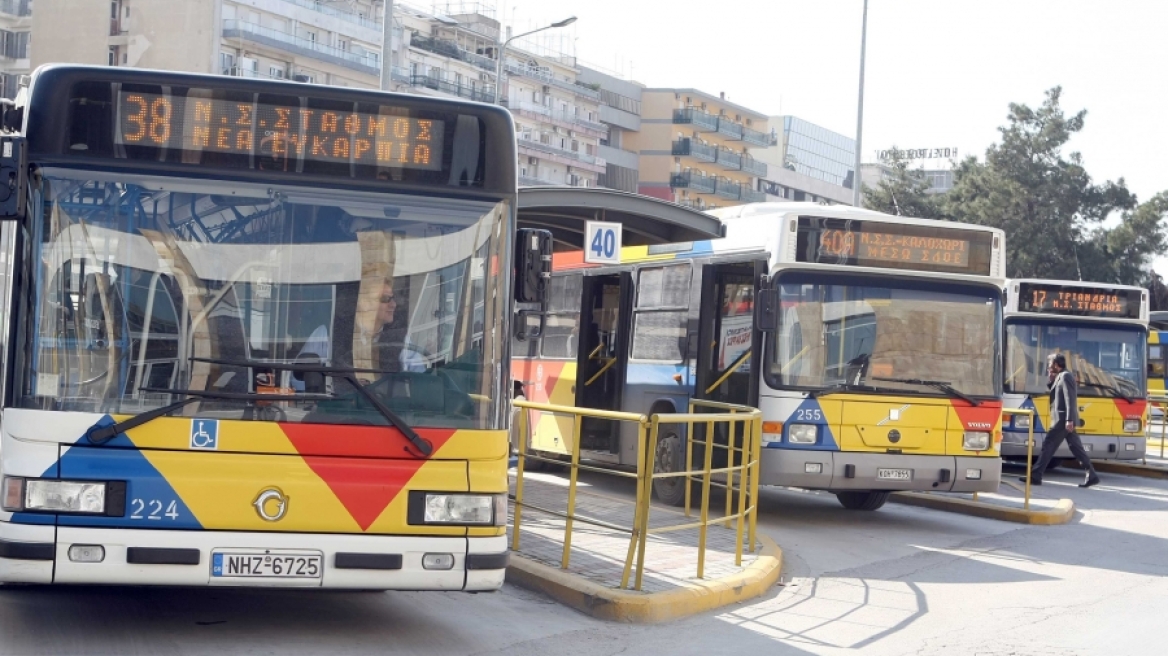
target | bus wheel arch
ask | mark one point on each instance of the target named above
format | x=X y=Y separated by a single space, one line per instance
x=669 y=457
x=863 y=500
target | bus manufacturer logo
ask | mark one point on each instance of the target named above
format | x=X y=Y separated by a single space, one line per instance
x=980 y=424
x=205 y=434
x=271 y=505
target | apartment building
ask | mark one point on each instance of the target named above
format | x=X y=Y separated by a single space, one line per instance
x=694 y=148
x=620 y=113
x=15 y=30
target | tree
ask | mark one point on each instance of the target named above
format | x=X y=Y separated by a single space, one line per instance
x=1049 y=207
x=903 y=191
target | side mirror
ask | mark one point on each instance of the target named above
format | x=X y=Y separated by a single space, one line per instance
x=533 y=273
x=13 y=177
x=766 y=309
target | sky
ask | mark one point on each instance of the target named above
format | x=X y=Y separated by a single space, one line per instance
x=939 y=73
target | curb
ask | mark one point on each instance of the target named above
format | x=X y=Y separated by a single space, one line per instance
x=646 y=608
x=1060 y=514
x=1130 y=469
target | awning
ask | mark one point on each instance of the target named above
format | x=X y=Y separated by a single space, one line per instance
x=645 y=220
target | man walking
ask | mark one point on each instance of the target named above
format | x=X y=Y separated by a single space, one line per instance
x=1064 y=417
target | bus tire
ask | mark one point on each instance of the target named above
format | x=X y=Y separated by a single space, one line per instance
x=862 y=500
x=669 y=458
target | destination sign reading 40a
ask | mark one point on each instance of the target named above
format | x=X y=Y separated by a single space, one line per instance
x=888 y=247
x=279 y=133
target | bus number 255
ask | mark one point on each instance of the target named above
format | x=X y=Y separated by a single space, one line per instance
x=809 y=414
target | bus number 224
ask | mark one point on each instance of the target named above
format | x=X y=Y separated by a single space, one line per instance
x=151 y=509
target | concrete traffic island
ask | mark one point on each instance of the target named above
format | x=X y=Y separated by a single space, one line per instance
x=591 y=582
x=1006 y=505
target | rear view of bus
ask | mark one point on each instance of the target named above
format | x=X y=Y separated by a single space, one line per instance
x=1102 y=331
x=251 y=335
x=880 y=371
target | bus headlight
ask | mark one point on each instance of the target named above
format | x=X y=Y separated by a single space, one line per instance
x=1132 y=425
x=802 y=433
x=464 y=509
x=65 y=496
x=976 y=441
x=1021 y=421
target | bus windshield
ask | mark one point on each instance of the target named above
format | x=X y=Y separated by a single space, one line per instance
x=146 y=288
x=1105 y=359
x=848 y=331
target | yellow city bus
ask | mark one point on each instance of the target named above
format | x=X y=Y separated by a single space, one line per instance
x=870 y=342
x=1102 y=330
x=253 y=334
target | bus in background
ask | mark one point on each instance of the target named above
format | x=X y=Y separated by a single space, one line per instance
x=252 y=334
x=1102 y=330
x=877 y=367
x=1157 y=371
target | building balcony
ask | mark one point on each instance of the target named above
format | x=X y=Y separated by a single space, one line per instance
x=452 y=50
x=752 y=196
x=728 y=189
x=702 y=184
x=237 y=29
x=756 y=138
x=18 y=8
x=565 y=156
x=548 y=78
x=729 y=159
x=461 y=90
x=754 y=167
x=702 y=121
x=730 y=129
x=315 y=5
x=695 y=149
x=569 y=119
x=529 y=181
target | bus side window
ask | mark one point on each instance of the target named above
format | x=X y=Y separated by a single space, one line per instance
x=661 y=315
x=1155 y=361
x=562 y=332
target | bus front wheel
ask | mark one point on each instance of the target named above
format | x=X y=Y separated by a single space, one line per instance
x=862 y=500
x=669 y=458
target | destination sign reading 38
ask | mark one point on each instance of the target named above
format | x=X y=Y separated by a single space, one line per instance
x=1080 y=301
x=892 y=245
x=278 y=133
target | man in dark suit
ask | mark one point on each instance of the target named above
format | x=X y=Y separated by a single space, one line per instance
x=1064 y=417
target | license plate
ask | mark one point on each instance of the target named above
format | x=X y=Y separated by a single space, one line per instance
x=894 y=474
x=271 y=566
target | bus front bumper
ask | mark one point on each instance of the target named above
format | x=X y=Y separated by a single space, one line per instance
x=41 y=554
x=1099 y=447
x=840 y=471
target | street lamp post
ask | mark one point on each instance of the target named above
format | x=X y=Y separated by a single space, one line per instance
x=503 y=49
x=856 y=184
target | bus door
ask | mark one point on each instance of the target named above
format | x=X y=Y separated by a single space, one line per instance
x=729 y=346
x=602 y=358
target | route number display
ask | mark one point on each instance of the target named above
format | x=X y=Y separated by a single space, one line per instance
x=602 y=242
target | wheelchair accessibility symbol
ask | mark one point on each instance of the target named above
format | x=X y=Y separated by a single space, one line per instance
x=205 y=434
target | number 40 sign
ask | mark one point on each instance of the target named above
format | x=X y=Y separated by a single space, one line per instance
x=602 y=242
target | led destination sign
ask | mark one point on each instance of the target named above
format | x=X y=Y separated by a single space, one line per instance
x=197 y=123
x=891 y=245
x=1079 y=301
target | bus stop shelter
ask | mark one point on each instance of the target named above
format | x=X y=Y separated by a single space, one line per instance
x=646 y=221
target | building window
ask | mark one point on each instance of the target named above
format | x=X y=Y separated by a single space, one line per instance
x=343 y=45
x=226 y=62
x=276 y=72
x=113 y=57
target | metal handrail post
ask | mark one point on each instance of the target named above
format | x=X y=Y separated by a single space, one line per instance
x=686 y=480
x=1029 y=459
x=638 y=528
x=521 y=462
x=756 y=457
x=647 y=495
x=1163 y=426
x=705 y=515
x=573 y=476
x=740 y=524
x=731 y=438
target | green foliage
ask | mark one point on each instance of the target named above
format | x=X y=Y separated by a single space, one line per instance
x=902 y=191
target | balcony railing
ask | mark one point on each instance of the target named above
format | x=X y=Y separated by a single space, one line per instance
x=695 y=149
x=19 y=8
x=753 y=166
x=555 y=150
x=316 y=6
x=755 y=137
x=752 y=196
x=234 y=28
x=535 y=73
x=729 y=128
x=729 y=159
x=702 y=184
x=728 y=189
x=703 y=121
x=554 y=114
x=451 y=49
x=453 y=88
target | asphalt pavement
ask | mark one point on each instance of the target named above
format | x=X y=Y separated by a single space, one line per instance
x=901 y=580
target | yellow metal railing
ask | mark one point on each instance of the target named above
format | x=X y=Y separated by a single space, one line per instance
x=1025 y=412
x=1160 y=401
x=743 y=458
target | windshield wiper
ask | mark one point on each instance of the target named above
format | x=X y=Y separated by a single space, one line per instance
x=349 y=375
x=102 y=434
x=852 y=387
x=1114 y=391
x=942 y=385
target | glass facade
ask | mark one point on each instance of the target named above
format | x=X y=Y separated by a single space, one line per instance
x=818 y=152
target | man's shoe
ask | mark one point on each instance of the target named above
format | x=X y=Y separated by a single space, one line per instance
x=1033 y=481
x=1091 y=480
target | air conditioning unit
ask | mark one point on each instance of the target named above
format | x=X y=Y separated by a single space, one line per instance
x=300 y=77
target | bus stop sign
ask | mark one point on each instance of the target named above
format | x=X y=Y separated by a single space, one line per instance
x=602 y=242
